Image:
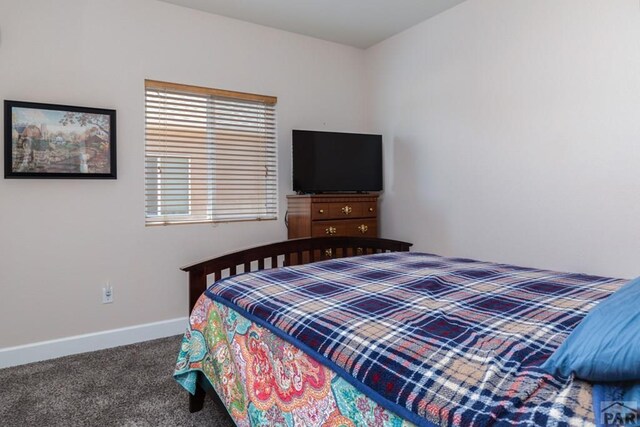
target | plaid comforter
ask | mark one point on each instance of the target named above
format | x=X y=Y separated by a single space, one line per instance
x=437 y=340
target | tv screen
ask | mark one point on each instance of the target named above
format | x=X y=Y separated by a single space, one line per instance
x=325 y=162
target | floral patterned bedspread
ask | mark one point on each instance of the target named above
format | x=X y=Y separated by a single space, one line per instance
x=266 y=381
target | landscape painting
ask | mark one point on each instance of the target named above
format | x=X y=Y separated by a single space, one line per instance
x=56 y=141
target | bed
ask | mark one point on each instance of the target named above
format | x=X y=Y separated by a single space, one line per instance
x=359 y=331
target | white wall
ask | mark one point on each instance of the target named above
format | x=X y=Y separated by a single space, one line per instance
x=512 y=133
x=60 y=240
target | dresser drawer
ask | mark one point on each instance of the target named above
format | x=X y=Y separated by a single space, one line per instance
x=351 y=227
x=345 y=210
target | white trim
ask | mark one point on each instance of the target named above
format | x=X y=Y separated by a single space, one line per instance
x=44 y=350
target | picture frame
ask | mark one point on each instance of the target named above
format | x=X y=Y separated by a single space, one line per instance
x=58 y=141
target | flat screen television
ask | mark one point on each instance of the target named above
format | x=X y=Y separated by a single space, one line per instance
x=333 y=162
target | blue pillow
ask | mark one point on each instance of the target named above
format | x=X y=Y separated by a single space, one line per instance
x=605 y=346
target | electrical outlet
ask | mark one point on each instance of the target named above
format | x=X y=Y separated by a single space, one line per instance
x=107 y=294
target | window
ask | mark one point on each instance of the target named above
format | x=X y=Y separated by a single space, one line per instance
x=210 y=155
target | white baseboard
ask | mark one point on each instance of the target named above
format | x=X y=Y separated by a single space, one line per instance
x=19 y=355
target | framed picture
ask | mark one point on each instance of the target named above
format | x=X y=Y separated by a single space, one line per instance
x=58 y=141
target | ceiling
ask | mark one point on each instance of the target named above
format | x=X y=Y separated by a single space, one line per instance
x=359 y=23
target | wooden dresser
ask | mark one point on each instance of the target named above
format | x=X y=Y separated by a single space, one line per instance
x=332 y=215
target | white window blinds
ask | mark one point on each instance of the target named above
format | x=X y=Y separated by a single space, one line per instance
x=210 y=155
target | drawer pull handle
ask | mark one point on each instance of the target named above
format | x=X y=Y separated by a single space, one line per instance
x=321 y=211
x=328 y=253
x=331 y=230
x=363 y=228
x=370 y=209
x=347 y=210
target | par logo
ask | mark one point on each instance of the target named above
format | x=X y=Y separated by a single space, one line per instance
x=623 y=413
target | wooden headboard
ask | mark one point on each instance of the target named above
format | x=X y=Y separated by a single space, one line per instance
x=286 y=253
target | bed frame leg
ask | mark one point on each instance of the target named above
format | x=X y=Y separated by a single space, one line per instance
x=196 y=401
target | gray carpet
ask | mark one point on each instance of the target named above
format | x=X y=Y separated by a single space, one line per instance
x=123 y=386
